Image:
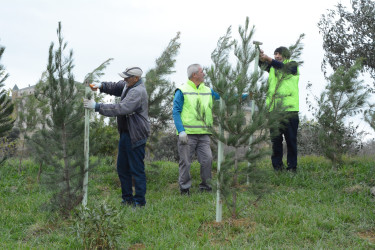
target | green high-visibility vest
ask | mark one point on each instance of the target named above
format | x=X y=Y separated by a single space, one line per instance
x=287 y=91
x=193 y=96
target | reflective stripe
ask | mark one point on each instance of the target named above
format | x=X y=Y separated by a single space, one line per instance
x=194 y=93
x=186 y=126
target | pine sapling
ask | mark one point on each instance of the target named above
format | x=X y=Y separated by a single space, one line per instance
x=233 y=84
x=59 y=142
x=344 y=96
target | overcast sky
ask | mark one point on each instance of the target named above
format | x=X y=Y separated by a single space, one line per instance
x=135 y=33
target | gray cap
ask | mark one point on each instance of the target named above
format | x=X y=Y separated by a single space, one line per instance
x=132 y=71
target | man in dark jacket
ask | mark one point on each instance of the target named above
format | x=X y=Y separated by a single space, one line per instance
x=134 y=128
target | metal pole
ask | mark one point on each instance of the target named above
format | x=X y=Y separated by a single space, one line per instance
x=220 y=156
x=86 y=151
x=256 y=64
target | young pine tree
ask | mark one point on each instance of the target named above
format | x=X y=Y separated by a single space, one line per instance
x=161 y=91
x=6 y=109
x=246 y=134
x=343 y=97
x=33 y=115
x=60 y=142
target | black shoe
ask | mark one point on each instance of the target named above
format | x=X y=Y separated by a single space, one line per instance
x=185 y=191
x=127 y=203
x=205 y=189
x=278 y=168
x=291 y=169
x=139 y=205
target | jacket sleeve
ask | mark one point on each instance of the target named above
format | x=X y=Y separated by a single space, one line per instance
x=113 y=88
x=131 y=103
x=265 y=66
x=290 y=67
x=215 y=95
x=178 y=103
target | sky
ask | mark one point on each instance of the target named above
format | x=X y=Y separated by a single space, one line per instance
x=136 y=32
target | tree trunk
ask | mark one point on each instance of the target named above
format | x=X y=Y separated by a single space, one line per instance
x=66 y=169
x=21 y=156
x=39 y=172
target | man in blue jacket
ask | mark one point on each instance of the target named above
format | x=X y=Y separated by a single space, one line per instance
x=134 y=128
x=193 y=134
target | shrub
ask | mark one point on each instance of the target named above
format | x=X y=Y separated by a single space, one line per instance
x=98 y=227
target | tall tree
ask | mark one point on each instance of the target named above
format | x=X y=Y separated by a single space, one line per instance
x=349 y=34
x=61 y=138
x=6 y=106
x=343 y=97
x=161 y=91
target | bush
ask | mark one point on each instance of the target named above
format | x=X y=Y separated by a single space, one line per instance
x=309 y=144
x=98 y=227
x=165 y=149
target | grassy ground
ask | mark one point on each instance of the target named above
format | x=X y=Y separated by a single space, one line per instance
x=318 y=207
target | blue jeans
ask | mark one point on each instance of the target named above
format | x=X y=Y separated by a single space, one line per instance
x=130 y=165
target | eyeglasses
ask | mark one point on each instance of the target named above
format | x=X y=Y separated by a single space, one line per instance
x=127 y=78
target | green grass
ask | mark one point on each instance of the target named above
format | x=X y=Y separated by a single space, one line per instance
x=319 y=207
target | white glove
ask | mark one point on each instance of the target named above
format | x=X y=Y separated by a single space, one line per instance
x=95 y=85
x=89 y=104
x=183 y=137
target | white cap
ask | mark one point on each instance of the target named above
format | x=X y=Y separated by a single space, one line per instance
x=132 y=71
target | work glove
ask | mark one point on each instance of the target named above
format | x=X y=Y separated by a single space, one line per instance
x=95 y=85
x=183 y=137
x=89 y=104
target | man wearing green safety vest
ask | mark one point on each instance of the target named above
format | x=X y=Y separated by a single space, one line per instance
x=192 y=115
x=283 y=89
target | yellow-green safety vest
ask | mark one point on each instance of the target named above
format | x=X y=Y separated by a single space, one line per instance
x=193 y=96
x=287 y=89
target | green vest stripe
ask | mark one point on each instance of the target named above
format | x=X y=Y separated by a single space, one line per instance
x=193 y=96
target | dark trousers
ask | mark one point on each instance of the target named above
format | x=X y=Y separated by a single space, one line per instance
x=130 y=164
x=289 y=130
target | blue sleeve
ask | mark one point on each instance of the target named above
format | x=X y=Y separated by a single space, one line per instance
x=178 y=103
x=215 y=95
